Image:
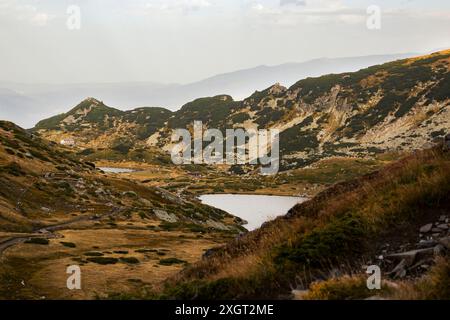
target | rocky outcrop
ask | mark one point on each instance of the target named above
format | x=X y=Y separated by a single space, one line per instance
x=414 y=259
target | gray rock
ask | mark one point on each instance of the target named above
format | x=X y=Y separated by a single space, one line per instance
x=216 y=225
x=129 y=194
x=443 y=226
x=163 y=215
x=426 y=244
x=422 y=263
x=439 y=250
x=100 y=191
x=442 y=218
x=411 y=256
x=145 y=202
x=435 y=235
x=426 y=228
x=400 y=269
x=436 y=230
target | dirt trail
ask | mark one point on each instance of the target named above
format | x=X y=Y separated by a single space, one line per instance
x=48 y=232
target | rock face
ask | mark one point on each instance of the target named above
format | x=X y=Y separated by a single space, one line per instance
x=163 y=215
x=400 y=105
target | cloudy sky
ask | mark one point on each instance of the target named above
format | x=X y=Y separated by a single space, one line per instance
x=179 y=41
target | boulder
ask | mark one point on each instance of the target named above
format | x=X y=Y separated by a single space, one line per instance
x=130 y=194
x=400 y=269
x=426 y=244
x=443 y=226
x=100 y=191
x=216 y=225
x=439 y=250
x=145 y=202
x=411 y=256
x=426 y=228
x=163 y=215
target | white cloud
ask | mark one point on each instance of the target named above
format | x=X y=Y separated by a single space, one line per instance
x=309 y=12
x=40 y=19
x=13 y=9
x=182 y=6
x=297 y=12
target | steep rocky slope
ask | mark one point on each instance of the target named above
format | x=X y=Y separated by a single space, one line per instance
x=400 y=105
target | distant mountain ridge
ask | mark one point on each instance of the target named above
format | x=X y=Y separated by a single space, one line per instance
x=400 y=105
x=26 y=104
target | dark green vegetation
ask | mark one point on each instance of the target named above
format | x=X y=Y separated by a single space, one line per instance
x=171 y=261
x=42 y=241
x=211 y=111
x=130 y=260
x=68 y=244
x=101 y=115
x=103 y=260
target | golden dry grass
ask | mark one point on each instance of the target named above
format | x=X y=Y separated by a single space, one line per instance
x=379 y=201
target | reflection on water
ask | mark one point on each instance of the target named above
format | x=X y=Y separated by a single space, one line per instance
x=256 y=209
x=116 y=170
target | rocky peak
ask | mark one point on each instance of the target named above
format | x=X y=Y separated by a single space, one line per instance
x=93 y=101
x=89 y=103
x=277 y=88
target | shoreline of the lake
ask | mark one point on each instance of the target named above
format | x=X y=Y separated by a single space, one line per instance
x=116 y=170
x=269 y=206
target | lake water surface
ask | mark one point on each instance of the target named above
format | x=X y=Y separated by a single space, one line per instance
x=256 y=209
x=116 y=170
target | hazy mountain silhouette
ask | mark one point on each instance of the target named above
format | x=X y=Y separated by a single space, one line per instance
x=25 y=104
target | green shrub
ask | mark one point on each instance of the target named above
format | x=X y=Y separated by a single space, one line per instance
x=103 y=260
x=68 y=244
x=94 y=254
x=41 y=241
x=171 y=261
x=130 y=260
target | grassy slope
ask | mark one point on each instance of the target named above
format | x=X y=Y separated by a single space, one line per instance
x=26 y=160
x=341 y=225
x=42 y=186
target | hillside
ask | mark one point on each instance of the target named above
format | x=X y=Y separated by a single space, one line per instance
x=396 y=218
x=55 y=210
x=400 y=105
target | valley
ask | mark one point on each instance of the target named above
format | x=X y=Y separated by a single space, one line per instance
x=364 y=152
x=56 y=211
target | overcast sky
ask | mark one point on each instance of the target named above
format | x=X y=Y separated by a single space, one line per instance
x=179 y=41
